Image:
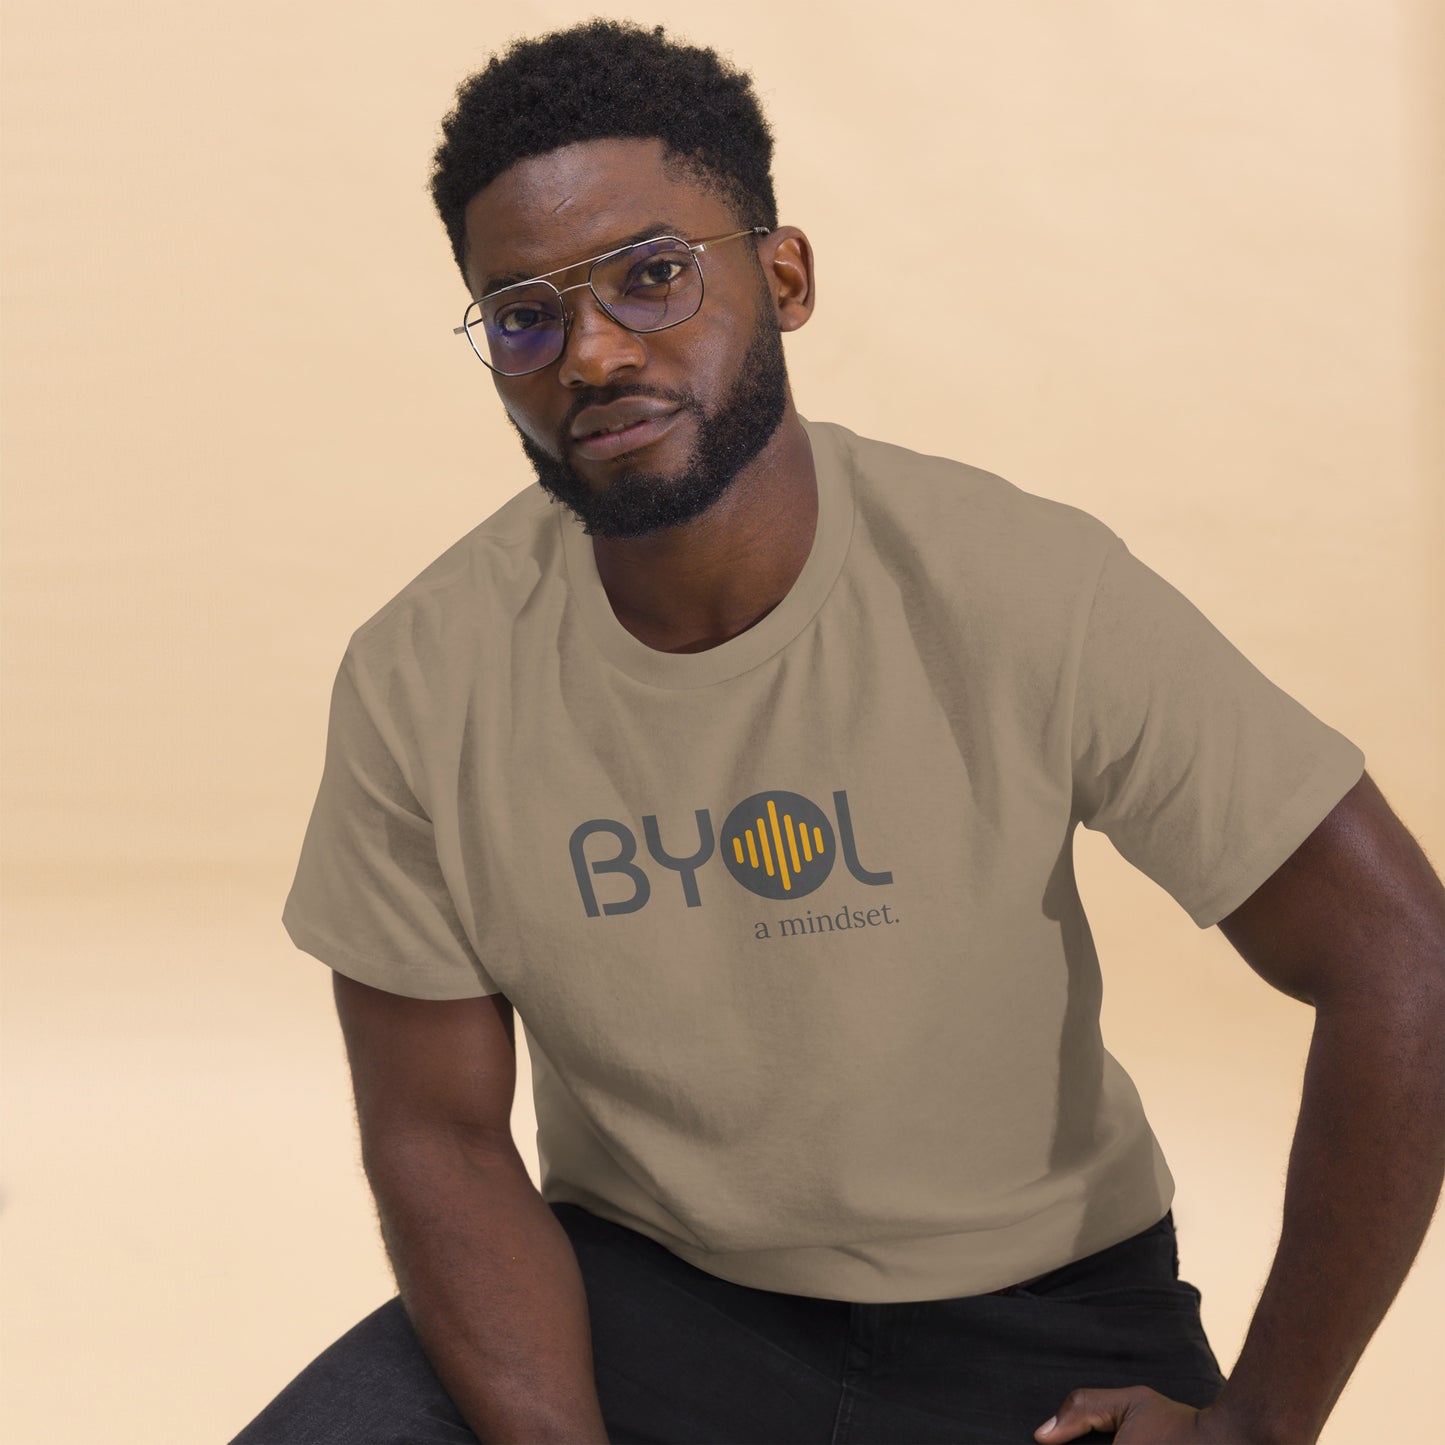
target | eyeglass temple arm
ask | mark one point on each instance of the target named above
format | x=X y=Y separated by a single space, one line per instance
x=717 y=241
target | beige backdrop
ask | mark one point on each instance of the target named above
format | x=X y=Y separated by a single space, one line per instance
x=1188 y=262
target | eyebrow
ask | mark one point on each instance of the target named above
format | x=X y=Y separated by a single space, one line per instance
x=657 y=228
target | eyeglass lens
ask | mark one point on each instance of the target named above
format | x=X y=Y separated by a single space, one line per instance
x=647 y=287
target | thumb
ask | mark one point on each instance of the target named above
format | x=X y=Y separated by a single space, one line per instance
x=1085 y=1410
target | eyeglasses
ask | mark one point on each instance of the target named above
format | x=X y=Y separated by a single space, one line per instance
x=647 y=286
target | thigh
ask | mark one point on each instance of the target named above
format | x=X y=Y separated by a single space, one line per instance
x=683 y=1357
x=373 y=1386
x=679 y=1356
x=992 y=1368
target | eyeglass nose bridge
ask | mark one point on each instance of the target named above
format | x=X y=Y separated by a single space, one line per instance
x=568 y=313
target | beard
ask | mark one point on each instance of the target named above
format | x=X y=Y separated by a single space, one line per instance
x=634 y=501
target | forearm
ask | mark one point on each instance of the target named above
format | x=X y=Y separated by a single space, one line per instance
x=491 y=1284
x=1365 y=1172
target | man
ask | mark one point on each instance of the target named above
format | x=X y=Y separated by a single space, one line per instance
x=749 y=774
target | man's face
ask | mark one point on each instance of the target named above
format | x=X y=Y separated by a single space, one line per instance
x=723 y=369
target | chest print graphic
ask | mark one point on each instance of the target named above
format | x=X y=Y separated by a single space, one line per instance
x=777 y=844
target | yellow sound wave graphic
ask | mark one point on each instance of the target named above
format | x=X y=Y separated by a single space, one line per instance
x=770 y=837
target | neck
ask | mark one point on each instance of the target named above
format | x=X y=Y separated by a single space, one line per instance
x=695 y=586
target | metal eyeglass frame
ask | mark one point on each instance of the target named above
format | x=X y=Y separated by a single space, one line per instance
x=592 y=263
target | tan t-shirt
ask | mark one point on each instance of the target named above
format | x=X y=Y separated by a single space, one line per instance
x=791 y=923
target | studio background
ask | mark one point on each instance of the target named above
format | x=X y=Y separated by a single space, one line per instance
x=1185 y=268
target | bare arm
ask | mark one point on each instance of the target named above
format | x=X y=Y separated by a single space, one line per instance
x=487 y=1275
x=1353 y=924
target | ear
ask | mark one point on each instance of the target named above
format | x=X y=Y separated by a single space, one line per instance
x=787 y=258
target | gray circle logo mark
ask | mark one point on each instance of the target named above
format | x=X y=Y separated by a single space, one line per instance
x=778 y=844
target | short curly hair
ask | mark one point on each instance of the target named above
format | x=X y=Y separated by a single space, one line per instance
x=601 y=79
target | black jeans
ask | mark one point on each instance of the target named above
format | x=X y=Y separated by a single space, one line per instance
x=682 y=1356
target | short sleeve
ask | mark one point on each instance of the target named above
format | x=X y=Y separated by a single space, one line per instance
x=369 y=898
x=1203 y=773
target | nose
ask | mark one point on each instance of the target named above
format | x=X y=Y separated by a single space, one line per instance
x=597 y=346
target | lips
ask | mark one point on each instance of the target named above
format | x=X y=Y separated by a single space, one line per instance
x=641 y=433
x=595 y=419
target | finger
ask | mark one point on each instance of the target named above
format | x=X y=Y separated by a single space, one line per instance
x=1085 y=1410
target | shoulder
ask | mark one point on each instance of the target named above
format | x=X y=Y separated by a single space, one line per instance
x=450 y=607
x=969 y=521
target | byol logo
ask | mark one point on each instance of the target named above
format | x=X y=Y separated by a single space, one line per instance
x=777 y=844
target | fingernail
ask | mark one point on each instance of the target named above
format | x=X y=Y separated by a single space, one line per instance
x=1048 y=1425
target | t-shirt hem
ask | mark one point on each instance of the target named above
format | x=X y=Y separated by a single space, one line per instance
x=926 y=1268
x=1304 y=812
x=376 y=973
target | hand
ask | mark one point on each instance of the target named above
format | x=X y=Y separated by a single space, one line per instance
x=1139 y=1416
